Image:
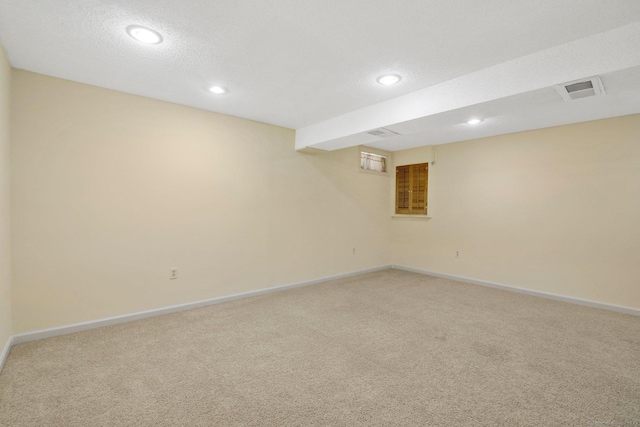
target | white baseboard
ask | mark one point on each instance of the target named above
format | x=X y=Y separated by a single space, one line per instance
x=611 y=307
x=5 y=353
x=92 y=324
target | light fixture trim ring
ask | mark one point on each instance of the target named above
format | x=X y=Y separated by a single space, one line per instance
x=389 y=79
x=218 y=90
x=144 y=34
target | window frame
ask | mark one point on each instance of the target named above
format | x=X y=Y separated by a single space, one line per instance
x=375 y=151
x=409 y=182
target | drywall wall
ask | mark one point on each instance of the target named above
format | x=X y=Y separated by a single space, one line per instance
x=5 y=259
x=112 y=190
x=553 y=210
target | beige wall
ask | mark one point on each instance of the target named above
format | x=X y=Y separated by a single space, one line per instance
x=112 y=190
x=5 y=261
x=554 y=210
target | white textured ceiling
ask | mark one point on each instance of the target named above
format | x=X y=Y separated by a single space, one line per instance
x=525 y=111
x=487 y=94
x=286 y=62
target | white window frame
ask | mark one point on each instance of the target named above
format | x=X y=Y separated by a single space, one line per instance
x=376 y=152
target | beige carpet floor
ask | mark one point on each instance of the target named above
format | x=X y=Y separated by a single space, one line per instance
x=387 y=348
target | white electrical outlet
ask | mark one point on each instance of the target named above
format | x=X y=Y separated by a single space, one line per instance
x=173 y=273
x=457 y=254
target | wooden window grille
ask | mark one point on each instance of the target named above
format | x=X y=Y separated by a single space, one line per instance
x=411 y=189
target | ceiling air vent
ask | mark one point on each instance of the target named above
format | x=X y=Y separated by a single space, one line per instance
x=383 y=133
x=582 y=88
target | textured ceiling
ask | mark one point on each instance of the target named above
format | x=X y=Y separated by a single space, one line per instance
x=285 y=62
x=494 y=92
x=525 y=111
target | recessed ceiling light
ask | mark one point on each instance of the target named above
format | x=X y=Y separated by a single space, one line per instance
x=217 y=90
x=144 y=35
x=389 y=79
x=474 y=121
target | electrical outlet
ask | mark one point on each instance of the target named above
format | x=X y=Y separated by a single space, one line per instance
x=173 y=273
x=354 y=251
x=457 y=254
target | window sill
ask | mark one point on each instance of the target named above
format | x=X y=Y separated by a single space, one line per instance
x=410 y=216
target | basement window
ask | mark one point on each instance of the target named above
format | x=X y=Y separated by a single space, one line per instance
x=373 y=162
x=411 y=189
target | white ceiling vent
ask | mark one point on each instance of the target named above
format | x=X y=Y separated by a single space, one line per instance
x=582 y=88
x=383 y=133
